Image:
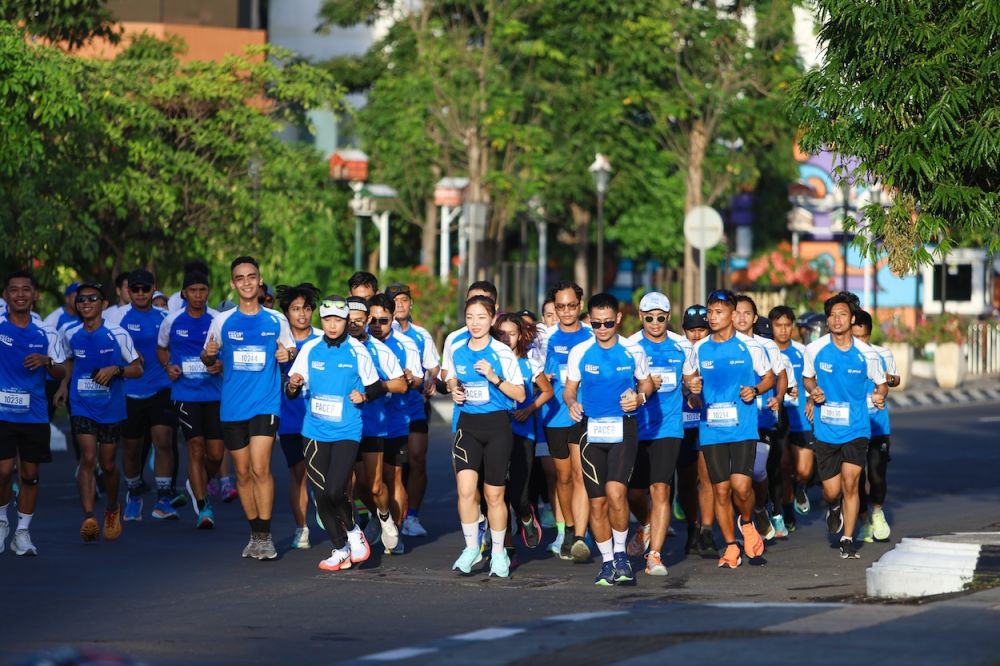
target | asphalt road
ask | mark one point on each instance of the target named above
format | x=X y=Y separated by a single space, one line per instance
x=169 y=594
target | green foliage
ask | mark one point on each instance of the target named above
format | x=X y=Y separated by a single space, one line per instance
x=73 y=22
x=912 y=90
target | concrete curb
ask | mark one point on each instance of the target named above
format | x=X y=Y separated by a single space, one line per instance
x=919 y=398
x=943 y=564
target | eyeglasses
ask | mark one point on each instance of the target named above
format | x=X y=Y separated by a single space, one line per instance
x=380 y=321
x=693 y=311
x=659 y=319
x=567 y=306
x=340 y=305
x=140 y=288
x=611 y=323
x=88 y=298
x=719 y=295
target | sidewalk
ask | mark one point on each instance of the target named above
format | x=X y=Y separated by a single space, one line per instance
x=924 y=392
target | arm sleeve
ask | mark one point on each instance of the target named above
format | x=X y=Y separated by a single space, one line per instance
x=641 y=362
x=573 y=363
x=163 y=337
x=366 y=367
x=511 y=368
x=56 y=351
x=889 y=360
x=761 y=361
x=125 y=344
x=215 y=330
x=809 y=362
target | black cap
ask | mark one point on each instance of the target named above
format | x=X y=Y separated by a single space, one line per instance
x=97 y=286
x=195 y=277
x=696 y=316
x=397 y=288
x=527 y=313
x=141 y=276
x=762 y=327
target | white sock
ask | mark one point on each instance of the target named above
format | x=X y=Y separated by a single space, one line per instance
x=619 y=539
x=471 y=533
x=498 y=538
x=607 y=550
x=163 y=482
x=23 y=520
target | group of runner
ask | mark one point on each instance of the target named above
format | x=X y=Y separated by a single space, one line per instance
x=561 y=422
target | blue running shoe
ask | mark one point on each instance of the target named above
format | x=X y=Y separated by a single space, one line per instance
x=623 y=569
x=500 y=565
x=133 y=507
x=206 y=518
x=484 y=532
x=164 y=510
x=607 y=576
x=469 y=558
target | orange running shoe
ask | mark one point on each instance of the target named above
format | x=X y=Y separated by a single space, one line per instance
x=654 y=566
x=753 y=545
x=90 y=530
x=113 y=523
x=730 y=557
x=640 y=541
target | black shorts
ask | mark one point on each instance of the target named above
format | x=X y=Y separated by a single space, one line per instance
x=724 y=460
x=106 y=433
x=30 y=441
x=559 y=440
x=237 y=434
x=483 y=443
x=144 y=413
x=199 y=419
x=371 y=445
x=396 y=451
x=419 y=426
x=803 y=440
x=655 y=462
x=292 y=447
x=689 y=449
x=765 y=436
x=604 y=462
x=829 y=457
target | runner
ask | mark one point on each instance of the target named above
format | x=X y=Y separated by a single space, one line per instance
x=67 y=313
x=150 y=412
x=336 y=376
x=363 y=285
x=298 y=304
x=30 y=354
x=99 y=357
x=875 y=527
x=121 y=292
x=730 y=364
x=251 y=342
x=485 y=382
x=836 y=374
x=195 y=390
x=551 y=513
x=661 y=427
x=562 y=432
x=607 y=380
x=416 y=398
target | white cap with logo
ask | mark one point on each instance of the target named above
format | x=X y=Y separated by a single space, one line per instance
x=654 y=300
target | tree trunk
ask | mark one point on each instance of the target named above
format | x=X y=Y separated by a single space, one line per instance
x=581 y=231
x=693 y=180
x=428 y=244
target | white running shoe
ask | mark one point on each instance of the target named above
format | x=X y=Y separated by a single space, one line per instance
x=21 y=543
x=390 y=533
x=339 y=559
x=358 y=546
x=412 y=527
x=301 y=539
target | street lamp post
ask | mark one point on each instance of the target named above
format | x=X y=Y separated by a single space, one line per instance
x=601 y=171
x=845 y=191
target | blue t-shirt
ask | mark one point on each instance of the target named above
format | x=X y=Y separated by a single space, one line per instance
x=558 y=346
x=482 y=397
x=428 y=358
x=185 y=337
x=251 y=376
x=92 y=350
x=604 y=374
x=880 y=417
x=22 y=391
x=766 y=418
x=795 y=408
x=725 y=367
x=144 y=329
x=382 y=417
x=454 y=338
x=398 y=405
x=844 y=377
x=331 y=373
x=293 y=411
x=530 y=369
x=671 y=359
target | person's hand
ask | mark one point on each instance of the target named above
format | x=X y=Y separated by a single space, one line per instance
x=212 y=346
x=484 y=368
x=35 y=361
x=576 y=412
x=356 y=397
x=458 y=394
x=214 y=369
x=878 y=400
x=793 y=393
x=282 y=355
x=747 y=394
x=408 y=375
x=173 y=371
x=430 y=389
x=106 y=374
x=295 y=380
x=810 y=408
x=657 y=380
x=694 y=401
x=521 y=415
x=59 y=398
x=773 y=403
x=818 y=396
x=695 y=384
x=629 y=402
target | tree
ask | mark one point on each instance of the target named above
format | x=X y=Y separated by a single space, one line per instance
x=911 y=91
x=72 y=22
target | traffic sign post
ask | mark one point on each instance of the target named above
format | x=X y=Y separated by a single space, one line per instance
x=703 y=230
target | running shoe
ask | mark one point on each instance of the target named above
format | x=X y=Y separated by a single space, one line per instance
x=512 y=556
x=373 y=533
x=531 y=531
x=762 y=521
x=654 y=567
x=556 y=546
x=753 y=545
x=398 y=550
x=90 y=530
x=470 y=557
x=194 y=500
x=339 y=559
x=266 y=549
x=164 y=510
x=301 y=539
x=177 y=500
x=880 y=526
x=865 y=532
x=579 y=551
x=731 y=558
x=390 y=533
x=778 y=525
x=607 y=576
x=692 y=538
x=547 y=519
x=500 y=565
x=484 y=534
x=213 y=488
x=4 y=531
x=802 y=505
x=206 y=518
x=834 y=520
x=679 y=510
x=228 y=490
x=358 y=544
x=640 y=541
x=252 y=547
x=21 y=543
x=789 y=515
x=319 y=521
x=623 y=569
x=133 y=507
x=848 y=551
x=113 y=523
x=412 y=527
x=705 y=546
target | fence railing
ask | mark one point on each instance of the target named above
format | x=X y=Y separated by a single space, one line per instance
x=983 y=349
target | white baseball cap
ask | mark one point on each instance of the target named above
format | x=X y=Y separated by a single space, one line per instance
x=654 y=300
x=333 y=306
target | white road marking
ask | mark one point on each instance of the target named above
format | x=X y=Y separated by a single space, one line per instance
x=583 y=617
x=489 y=634
x=398 y=654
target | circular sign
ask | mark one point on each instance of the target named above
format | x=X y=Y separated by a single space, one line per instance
x=703 y=228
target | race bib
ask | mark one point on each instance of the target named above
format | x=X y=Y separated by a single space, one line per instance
x=249 y=358
x=563 y=372
x=327 y=407
x=609 y=429
x=15 y=402
x=692 y=417
x=193 y=367
x=86 y=385
x=477 y=393
x=835 y=413
x=722 y=415
x=668 y=378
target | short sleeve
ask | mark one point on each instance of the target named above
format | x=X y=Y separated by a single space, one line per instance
x=889 y=360
x=366 y=366
x=163 y=337
x=762 y=362
x=511 y=368
x=389 y=362
x=56 y=351
x=125 y=344
x=215 y=331
x=573 y=373
x=300 y=366
x=641 y=362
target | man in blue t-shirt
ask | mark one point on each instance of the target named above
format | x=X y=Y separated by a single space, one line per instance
x=251 y=342
x=30 y=353
x=836 y=374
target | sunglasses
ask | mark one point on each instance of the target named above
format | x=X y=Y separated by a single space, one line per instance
x=659 y=319
x=140 y=288
x=696 y=311
x=611 y=323
x=88 y=298
x=380 y=321
x=340 y=305
x=719 y=295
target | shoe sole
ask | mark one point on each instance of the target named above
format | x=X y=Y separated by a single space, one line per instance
x=30 y=552
x=346 y=564
x=464 y=571
x=90 y=535
x=604 y=583
x=657 y=571
x=730 y=565
x=267 y=558
x=580 y=552
x=206 y=525
x=166 y=516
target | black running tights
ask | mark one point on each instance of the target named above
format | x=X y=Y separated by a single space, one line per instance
x=329 y=466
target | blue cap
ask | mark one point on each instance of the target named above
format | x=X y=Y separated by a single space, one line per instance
x=71 y=288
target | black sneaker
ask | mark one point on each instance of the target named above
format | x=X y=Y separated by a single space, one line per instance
x=762 y=521
x=848 y=551
x=177 y=500
x=566 y=550
x=706 y=544
x=834 y=520
x=690 y=544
